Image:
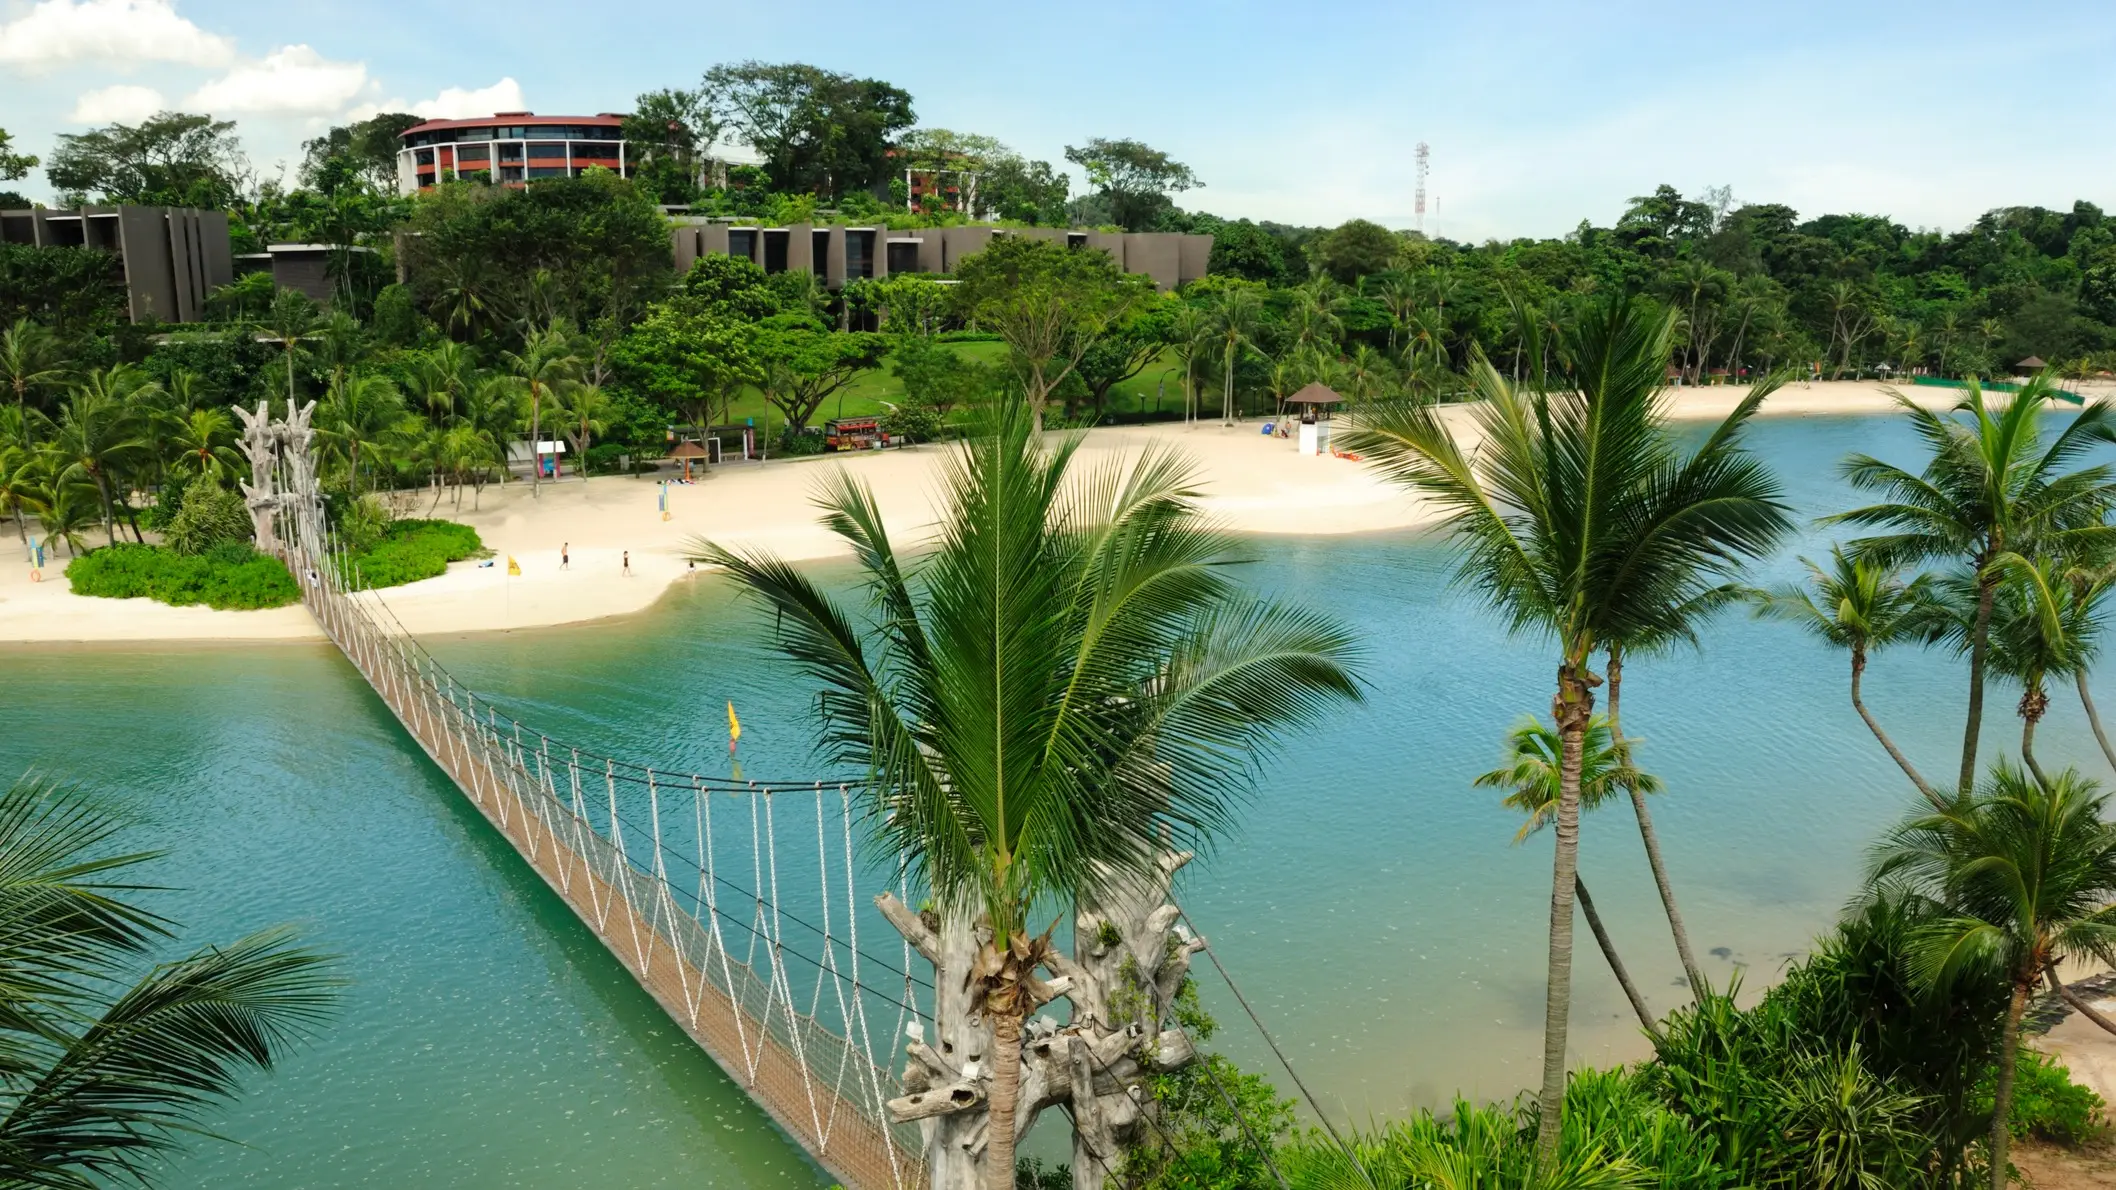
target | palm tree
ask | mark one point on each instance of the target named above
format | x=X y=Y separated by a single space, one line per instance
x=491 y=417
x=108 y=1065
x=1190 y=338
x=587 y=409
x=1989 y=486
x=205 y=444
x=2022 y=875
x=1064 y=682
x=442 y=376
x=96 y=436
x=292 y=319
x=1235 y=316
x=1402 y=296
x=65 y=507
x=1531 y=770
x=1860 y=606
x=30 y=361
x=21 y=489
x=2042 y=624
x=360 y=413
x=545 y=362
x=1577 y=515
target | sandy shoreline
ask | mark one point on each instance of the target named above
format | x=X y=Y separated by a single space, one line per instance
x=1251 y=484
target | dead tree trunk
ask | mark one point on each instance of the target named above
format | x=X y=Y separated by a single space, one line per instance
x=946 y=1080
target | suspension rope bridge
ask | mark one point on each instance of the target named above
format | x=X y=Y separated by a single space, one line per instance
x=806 y=1024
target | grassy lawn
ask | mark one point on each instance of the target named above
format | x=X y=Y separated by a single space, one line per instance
x=1162 y=380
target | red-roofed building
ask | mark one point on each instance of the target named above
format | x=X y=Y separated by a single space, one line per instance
x=514 y=147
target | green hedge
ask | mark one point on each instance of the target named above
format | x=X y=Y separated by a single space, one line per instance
x=413 y=549
x=227 y=576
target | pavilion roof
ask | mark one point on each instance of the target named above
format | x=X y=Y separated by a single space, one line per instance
x=688 y=450
x=1317 y=393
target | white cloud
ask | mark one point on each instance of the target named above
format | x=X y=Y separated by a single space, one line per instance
x=292 y=78
x=454 y=103
x=121 y=32
x=123 y=103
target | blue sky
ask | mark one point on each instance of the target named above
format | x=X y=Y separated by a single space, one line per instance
x=1538 y=114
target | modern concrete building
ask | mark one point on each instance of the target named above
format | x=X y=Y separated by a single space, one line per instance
x=171 y=257
x=837 y=253
x=306 y=267
x=514 y=147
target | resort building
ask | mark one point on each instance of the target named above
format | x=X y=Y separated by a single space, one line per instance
x=838 y=253
x=168 y=258
x=513 y=147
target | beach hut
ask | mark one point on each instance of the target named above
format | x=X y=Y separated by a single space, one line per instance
x=2030 y=366
x=687 y=450
x=1314 y=403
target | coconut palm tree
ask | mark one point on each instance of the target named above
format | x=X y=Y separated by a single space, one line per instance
x=360 y=413
x=1989 y=485
x=66 y=506
x=31 y=361
x=1531 y=770
x=1235 y=317
x=2042 y=625
x=546 y=362
x=1064 y=682
x=1861 y=606
x=587 y=410
x=292 y=320
x=1577 y=515
x=204 y=442
x=110 y=1062
x=2023 y=876
x=442 y=376
x=1190 y=339
x=21 y=489
x=97 y=433
x=491 y=417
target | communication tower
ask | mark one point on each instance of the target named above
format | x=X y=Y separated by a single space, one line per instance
x=1424 y=166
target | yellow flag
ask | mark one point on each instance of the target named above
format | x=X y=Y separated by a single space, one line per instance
x=513 y=567
x=734 y=727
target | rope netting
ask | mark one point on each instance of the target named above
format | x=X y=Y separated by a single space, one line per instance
x=680 y=875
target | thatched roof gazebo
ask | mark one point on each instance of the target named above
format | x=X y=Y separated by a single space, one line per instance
x=1315 y=401
x=2030 y=365
x=688 y=450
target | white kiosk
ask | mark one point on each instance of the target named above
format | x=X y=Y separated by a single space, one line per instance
x=1314 y=403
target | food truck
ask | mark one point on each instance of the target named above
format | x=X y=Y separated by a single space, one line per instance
x=854 y=433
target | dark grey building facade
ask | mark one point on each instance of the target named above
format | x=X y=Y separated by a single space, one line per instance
x=837 y=253
x=172 y=256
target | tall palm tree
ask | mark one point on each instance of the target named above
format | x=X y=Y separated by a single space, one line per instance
x=1190 y=339
x=31 y=361
x=1578 y=515
x=21 y=489
x=546 y=361
x=110 y=1062
x=491 y=417
x=2023 y=875
x=292 y=320
x=587 y=410
x=96 y=436
x=2042 y=625
x=1534 y=758
x=1065 y=681
x=1236 y=315
x=1860 y=606
x=66 y=506
x=442 y=376
x=204 y=442
x=1989 y=486
x=360 y=413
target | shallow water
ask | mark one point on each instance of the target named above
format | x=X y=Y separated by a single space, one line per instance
x=1371 y=905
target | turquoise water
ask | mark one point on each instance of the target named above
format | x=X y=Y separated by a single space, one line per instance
x=1372 y=904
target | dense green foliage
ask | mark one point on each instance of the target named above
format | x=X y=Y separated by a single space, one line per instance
x=230 y=576
x=207 y=516
x=409 y=550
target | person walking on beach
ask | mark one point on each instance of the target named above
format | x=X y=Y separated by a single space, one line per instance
x=628 y=564
x=565 y=556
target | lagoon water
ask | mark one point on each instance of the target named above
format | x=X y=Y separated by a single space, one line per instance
x=1372 y=904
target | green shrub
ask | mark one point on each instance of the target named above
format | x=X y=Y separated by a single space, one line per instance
x=412 y=549
x=207 y=516
x=2047 y=1104
x=230 y=575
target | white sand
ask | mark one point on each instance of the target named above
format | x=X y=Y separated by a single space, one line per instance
x=1251 y=484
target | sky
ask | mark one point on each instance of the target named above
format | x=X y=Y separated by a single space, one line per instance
x=1538 y=115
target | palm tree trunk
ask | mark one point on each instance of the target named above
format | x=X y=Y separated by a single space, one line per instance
x=2032 y=714
x=1570 y=709
x=1647 y=834
x=1858 y=670
x=2086 y=699
x=536 y=441
x=1979 y=647
x=1006 y=1090
x=2077 y=1004
x=1616 y=962
x=110 y=528
x=2002 y=1098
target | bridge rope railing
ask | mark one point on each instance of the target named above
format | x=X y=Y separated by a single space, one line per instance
x=714 y=953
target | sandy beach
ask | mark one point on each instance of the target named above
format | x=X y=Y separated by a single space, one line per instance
x=1251 y=484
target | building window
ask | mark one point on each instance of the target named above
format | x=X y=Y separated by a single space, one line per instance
x=547 y=152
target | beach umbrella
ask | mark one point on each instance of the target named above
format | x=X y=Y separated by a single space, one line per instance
x=687 y=451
